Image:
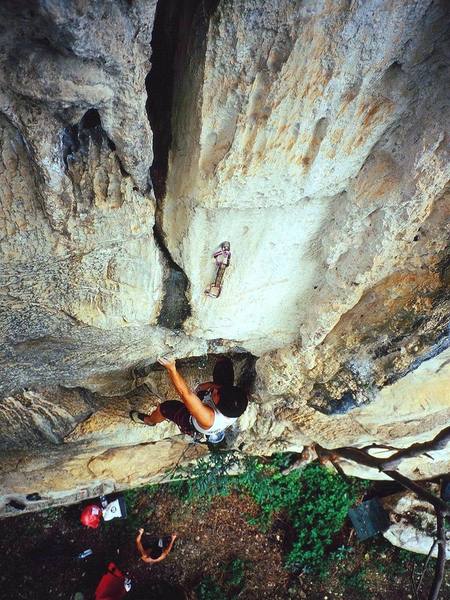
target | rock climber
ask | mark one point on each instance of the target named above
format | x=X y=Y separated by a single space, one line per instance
x=155 y=550
x=212 y=408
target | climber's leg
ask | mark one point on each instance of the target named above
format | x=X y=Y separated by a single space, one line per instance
x=175 y=411
x=155 y=417
x=141 y=418
x=171 y=410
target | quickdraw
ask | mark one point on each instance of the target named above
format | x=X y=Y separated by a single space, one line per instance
x=222 y=258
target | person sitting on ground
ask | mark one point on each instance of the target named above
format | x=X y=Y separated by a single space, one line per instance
x=157 y=549
x=113 y=585
x=214 y=406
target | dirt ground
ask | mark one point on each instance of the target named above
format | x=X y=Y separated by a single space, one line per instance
x=215 y=544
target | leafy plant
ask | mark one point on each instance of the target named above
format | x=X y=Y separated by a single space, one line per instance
x=52 y=515
x=324 y=500
x=208 y=589
x=140 y=505
x=270 y=489
x=208 y=478
x=356 y=581
x=235 y=573
x=314 y=500
x=232 y=577
x=132 y=495
x=342 y=553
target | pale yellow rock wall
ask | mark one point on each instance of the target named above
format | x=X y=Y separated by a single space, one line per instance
x=312 y=137
x=313 y=149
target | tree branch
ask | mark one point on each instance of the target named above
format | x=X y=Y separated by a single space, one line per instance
x=413 y=583
x=361 y=456
x=433 y=546
x=439 y=442
x=388 y=466
x=440 y=563
x=380 y=446
x=437 y=503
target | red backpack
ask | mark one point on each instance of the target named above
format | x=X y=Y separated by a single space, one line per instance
x=91 y=516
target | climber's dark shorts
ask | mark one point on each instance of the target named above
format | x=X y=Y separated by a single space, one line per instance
x=175 y=411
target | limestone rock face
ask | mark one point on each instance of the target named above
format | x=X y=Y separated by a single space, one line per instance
x=135 y=137
x=413 y=524
x=317 y=149
x=413 y=409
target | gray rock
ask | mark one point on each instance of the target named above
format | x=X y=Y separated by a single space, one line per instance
x=312 y=139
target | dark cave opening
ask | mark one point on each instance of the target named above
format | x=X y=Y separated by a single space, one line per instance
x=174 y=26
x=159 y=86
x=175 y=307
x=76 y=138
x=244 y=364
x=90 y=127
x=90 y=119
x=70 y=143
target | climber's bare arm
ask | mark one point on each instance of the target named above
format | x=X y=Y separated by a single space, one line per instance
x=148 y=559
x=204 y=415
x=169 y=548
x=139 y=545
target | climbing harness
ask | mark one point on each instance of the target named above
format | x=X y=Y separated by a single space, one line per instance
x=215 y=438
x=222 y=258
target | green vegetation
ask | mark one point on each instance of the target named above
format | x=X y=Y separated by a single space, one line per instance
x=209 y=478
x=314 y=501
x=218 y=555
x=53 y=515
x=208 y=589
x=323 y=501
x=235 y=573
x=232 y=580
x=356 y=581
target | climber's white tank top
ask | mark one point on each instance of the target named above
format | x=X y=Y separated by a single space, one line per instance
x=221 y=422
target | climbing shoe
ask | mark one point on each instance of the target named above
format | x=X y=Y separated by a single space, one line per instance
x=138 y=417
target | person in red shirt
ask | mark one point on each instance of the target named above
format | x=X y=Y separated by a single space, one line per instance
x=113 y=585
